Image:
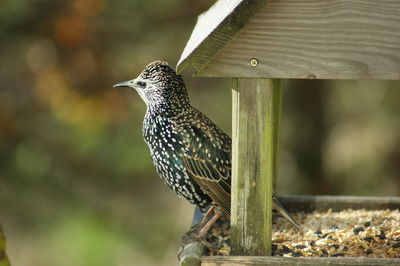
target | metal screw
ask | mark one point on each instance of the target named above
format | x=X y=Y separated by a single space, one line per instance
x=253 y=62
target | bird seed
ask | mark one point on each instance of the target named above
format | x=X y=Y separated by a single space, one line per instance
x=347 y=233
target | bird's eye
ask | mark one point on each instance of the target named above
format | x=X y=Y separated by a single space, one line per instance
x=141 y=84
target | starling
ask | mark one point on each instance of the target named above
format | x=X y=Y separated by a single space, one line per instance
x=191 y=154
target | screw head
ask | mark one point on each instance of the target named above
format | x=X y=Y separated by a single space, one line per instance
x=253 y=62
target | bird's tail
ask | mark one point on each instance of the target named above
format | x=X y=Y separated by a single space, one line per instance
x=278 y=206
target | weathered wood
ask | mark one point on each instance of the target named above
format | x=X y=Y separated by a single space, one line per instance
x=218 y=25
x=338 y=203
x=282 y=261
x=3 y=256
x=256 y=106
x=192 y=252
x=323 y=39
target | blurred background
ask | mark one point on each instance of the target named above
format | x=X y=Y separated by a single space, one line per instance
x=77 y=186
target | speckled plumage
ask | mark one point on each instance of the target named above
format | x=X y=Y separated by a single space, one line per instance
x=191 y=154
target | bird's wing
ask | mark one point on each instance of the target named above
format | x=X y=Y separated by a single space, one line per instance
x=207 y=159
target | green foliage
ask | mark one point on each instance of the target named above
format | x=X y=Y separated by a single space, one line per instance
x=3 y=256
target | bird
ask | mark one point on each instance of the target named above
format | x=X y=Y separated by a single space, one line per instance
x=191 y=154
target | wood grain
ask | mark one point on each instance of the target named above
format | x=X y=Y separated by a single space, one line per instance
x=191 y=255
x=282 y=261
x=305 y=203
x=256 y=106
x=323 y=39
x=217 y=25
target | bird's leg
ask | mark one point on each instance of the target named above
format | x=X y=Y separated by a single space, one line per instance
x=206 y=216
x=210 y=211
x=207 y=226
x=192 y=234
x=197 y=231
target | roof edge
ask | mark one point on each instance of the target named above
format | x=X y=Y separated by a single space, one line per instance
x=199 y=50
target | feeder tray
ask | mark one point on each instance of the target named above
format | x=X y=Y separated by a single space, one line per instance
x=341 y=230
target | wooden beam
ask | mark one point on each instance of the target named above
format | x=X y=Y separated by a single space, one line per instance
x=191 y=255
x=306 y=203
x=191 y=252
x=282 y=261
x=256 y=110
x=218 y=25
x=318 y=39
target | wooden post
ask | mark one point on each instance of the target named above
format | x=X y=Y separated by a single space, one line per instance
x=256 y=109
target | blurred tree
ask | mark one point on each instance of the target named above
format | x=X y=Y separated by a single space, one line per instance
x=3 y=256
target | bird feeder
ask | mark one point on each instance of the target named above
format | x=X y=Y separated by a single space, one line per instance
x=259 y=43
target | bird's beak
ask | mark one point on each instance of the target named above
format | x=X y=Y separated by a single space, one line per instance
x=123 y=84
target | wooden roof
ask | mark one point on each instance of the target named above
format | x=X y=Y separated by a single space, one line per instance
x=327 y=39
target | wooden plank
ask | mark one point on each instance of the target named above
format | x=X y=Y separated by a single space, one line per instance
x=323 y=39
x=217 y=25
x=256 y=106
x=192 y=252
x=283 y=261
x=338 y=203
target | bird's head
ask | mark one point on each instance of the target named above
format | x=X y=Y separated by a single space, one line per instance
x=159 y=85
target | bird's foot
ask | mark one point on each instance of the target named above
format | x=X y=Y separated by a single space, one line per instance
x=198 y=231
x=203 y=231
x=192 y=235
x=189 y=237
